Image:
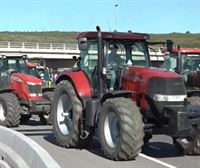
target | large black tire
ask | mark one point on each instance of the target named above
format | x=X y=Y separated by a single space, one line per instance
x=67 y=115
x=10 y=110
x=188 y=145
x=46 y=119
x=121 y=129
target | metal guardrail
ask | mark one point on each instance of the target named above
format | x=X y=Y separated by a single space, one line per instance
x=61 y=48
x=39 y=46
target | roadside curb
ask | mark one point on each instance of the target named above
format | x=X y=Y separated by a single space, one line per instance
x=20 y=151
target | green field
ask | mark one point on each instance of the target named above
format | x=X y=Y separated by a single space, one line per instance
x=182 y=39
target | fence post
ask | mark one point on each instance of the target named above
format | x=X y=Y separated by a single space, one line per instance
x=8 y=44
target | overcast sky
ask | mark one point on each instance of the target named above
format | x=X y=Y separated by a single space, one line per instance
x=149 y=16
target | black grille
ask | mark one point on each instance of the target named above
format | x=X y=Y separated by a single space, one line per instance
x=37 y=89
x=166 y=86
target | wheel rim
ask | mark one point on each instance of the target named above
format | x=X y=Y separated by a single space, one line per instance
x=111 y=129
x=64 y=114
x=2 y=116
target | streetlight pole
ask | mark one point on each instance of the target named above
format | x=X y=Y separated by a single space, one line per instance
x=116 y=5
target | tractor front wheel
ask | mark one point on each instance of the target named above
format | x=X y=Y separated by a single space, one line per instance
x=67 y=115
x=121 y=130
x=10 y=110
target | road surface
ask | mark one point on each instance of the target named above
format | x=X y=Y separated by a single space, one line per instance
x=158 y=153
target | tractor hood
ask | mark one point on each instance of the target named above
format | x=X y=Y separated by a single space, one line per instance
x=26 y=78
x=148 y=72
x=148 y=79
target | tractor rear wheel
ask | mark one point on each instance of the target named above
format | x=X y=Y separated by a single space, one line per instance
x=67 y=115
x=10 y=110
x=121 y=130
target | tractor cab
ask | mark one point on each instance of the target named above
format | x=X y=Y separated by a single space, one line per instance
x=118 y=52
x=185 y=61
x=10 y=65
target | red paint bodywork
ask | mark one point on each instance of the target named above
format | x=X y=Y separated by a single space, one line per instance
x=80 y=81
x=187 y=50
x=21 y=88
x=136 y=80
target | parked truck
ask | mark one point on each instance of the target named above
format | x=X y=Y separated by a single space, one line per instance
x=143 y=100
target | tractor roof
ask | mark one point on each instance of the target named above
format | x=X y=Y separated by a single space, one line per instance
x=115 y=35
x=187 y=50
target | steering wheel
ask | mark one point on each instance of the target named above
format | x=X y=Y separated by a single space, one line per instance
x=118 y=62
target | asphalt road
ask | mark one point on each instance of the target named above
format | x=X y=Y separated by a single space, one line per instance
x=158 y=153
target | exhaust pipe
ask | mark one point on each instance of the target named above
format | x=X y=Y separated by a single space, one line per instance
x=100 y=62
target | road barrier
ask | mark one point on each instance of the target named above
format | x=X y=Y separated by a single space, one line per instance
x=20 y=151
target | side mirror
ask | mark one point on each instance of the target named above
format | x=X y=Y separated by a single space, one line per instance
x=82 y=44
x=74 y=58
x=169 y=45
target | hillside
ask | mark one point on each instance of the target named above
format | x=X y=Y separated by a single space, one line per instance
x=184 y=40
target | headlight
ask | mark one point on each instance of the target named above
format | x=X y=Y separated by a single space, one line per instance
x=13 y=78
x=34 y=94
x=33 y=84
x=169 y=98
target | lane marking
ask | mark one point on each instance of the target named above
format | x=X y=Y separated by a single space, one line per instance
x=157 y=161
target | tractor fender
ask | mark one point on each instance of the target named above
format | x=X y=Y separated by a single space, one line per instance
x=109 y=95
x=6 y=91
x=113 y=94
x=79 y=79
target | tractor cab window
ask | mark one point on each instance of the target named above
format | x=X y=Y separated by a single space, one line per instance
x=170 y=63
x=139 y=54
x=22 y=66
x=89 y=58
x=115 y=55
x=126 y=53
x=191 y=63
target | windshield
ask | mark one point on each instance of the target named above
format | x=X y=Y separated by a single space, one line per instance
x=13 y=65
x=189 y=62
x=116 y=54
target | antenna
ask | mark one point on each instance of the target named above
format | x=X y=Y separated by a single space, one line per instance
x=108 y=24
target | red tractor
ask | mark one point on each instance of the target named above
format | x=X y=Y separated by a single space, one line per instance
x=124 y=101
x=186 y=62
x=20 y=93
x=48 y=86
